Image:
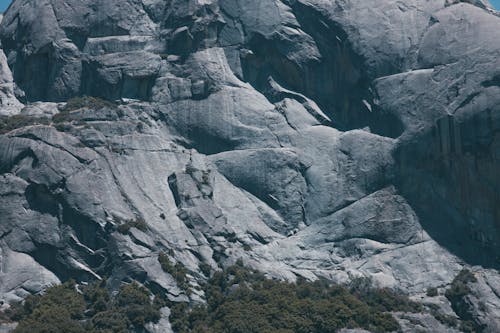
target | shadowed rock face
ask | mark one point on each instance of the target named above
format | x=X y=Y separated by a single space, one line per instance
x=450 y=151
x=313 y=138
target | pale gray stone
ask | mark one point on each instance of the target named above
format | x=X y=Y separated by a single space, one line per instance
x=312 y=138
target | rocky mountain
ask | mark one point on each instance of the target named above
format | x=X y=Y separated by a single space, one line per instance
x=309 y=138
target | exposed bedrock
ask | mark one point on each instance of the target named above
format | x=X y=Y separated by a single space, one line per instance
x=450 y=151
x=334 y=139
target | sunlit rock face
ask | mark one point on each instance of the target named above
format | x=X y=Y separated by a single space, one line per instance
x=311 y=139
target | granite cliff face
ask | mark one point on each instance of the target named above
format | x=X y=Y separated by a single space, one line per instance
x=309 y=138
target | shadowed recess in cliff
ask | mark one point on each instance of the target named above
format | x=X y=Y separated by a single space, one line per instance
x=450 y=176
x=337 y=81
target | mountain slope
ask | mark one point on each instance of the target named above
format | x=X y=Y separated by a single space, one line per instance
x=312 y=138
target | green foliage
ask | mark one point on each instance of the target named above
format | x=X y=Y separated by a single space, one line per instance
x=77 y=103
x=432 y=292
x=97 y=297
x=57 y=311
x=139 y=224
x=386 y=300
x=240 y=300
x=230 y=237
x=134 y=302
x=206 y=269
x=446 y=319
x=64 y=309
x=178 y=272
x=457 y=294
x=11 y=123
x=468 y=326
x=110 y=321
x=459 y=287
x=90 y=102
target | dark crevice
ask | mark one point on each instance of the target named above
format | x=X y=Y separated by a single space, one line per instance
x=276 y=94
x=88 y=231
x=95 y=259
x=33 y=74
x=385 y=123
x=34 y=137
x=172 y=184
x=348 y=80
x=6 y=165
x=77 y=35
x=41 y=200
x=191 y=33
x=206 y=143
x=479 y=132
x=471 y=2
x=338 y=82
x=55 y=260
x=85 y=242
x=467 y=100
x=50 y=257
x=94 y=84
x=495 y=82
x=137 y=87
x=449 y=176
x=259 y=238
x=106 y=27
x=256 y=188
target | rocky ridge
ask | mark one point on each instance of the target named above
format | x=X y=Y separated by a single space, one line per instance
x=308 y=138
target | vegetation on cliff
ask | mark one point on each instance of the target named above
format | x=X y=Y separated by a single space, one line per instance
x=240 y=300
x=69 y=308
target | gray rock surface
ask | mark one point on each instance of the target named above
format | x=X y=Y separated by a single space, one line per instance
x=9 y=103
x=311 y=138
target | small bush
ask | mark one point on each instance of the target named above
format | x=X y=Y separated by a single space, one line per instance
x=230 y=236
x=190 y=169
x=432 y=292
x=62 y=117
x=206 y=269
x=240 y=300
x=97 y=297
x=457 y=295
x=386 y=300
x=446 y=319
x=63 y=309
x=76 y=103
x=57 y=311
x=134 y=302
x=139 y=224
x=90 y=102
x=383 y=299
x=8 y=124
x=459 y=287
x=177 y=271
x=109 y=321
x=468 y=326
